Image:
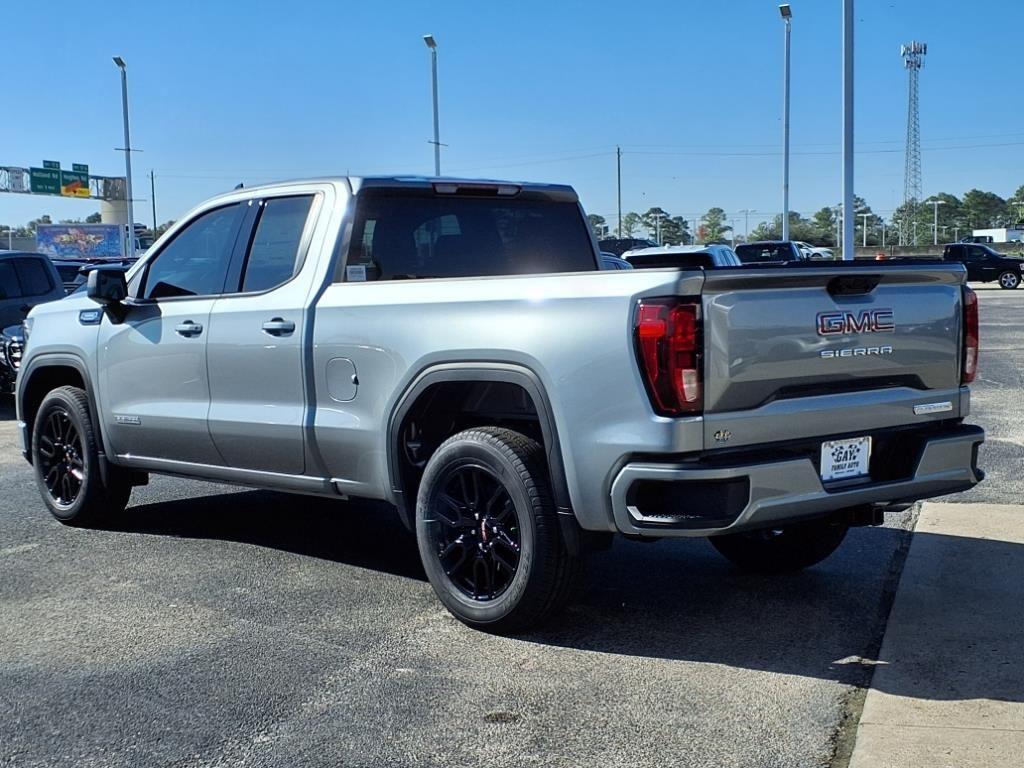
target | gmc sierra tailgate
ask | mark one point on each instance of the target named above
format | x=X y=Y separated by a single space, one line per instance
x=799 y=352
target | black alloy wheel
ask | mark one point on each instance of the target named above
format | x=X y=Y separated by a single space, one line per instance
x=477 y=535
x=66 y=457
x=61 y=459
x=489 y=533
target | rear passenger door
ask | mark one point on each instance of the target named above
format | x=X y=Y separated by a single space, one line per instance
x=255 y=345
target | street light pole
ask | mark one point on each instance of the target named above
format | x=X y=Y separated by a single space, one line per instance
x=432 y=45
x=787 y=17
x=849 y=220
x=127 y=156
x=618 y=179
x=935 y=219
x=864 y=227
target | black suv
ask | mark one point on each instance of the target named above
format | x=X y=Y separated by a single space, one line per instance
x=985 y=264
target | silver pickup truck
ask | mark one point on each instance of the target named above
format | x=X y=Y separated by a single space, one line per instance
x=452 y=347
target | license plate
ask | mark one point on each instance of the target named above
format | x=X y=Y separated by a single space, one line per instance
x=843 y=459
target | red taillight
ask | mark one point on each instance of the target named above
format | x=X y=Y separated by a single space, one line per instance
x=668 y=341
x=969 y=368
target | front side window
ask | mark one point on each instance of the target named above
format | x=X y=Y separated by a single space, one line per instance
x=195 y=262
x=273 y=255
x=34 y=277
x=420 y=236
x=9 y=286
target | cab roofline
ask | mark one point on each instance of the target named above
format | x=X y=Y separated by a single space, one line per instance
x=437 y=184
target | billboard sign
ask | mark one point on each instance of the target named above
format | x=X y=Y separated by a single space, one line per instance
x=80 y=241
x=45 y=181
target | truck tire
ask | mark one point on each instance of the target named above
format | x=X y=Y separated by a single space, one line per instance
x=1009 y=280
x=782 y=550
x=65 y=456
x=488 y=531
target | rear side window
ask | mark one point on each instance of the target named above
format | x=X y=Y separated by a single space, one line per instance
x=274 y=252
x=34 y=277
x=195 y=262
x=9 y=286
x=421 y=236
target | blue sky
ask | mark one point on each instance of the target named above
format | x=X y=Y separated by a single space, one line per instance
x=223 y=92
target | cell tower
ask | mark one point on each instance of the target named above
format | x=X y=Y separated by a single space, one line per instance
x=913 y=59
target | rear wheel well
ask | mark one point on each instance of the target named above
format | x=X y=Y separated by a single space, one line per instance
x=41 y=382
x=445 y=408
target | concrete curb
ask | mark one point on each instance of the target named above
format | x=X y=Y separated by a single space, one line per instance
x=949 y=686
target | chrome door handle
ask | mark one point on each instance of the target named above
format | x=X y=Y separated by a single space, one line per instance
x=279 y=327
x=188 y=329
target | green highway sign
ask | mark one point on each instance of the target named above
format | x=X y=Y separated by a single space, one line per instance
x=80 y=168
x=45 y=181
x=54 y=164
x=74 y=184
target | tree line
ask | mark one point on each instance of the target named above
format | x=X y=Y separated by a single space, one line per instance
x=957 y=216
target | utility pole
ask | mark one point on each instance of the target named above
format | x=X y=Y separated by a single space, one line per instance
x=746 y=223
x=882 y=223
x=839 y=218
x=849 y=220
x=864 y=241
x=152 y=197
x=618 y=174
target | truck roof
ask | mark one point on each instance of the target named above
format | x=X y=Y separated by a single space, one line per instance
x=440 y=184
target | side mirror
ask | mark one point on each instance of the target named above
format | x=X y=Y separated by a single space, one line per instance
x=106 y=286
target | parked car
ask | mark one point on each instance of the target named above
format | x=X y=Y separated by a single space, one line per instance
x=12 y=347
x=26 y=279
x=703 y=256
x=985 y=264
x=618 y=246
x=451 y=347
x=611 y=261
x=814 y=251
x=770 y=252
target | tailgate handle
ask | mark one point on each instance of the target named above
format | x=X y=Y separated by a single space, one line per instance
x=853 y=285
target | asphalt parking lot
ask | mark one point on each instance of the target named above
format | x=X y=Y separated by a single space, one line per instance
x=214 y=626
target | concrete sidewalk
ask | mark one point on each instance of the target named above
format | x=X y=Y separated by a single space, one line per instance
x=949 y=687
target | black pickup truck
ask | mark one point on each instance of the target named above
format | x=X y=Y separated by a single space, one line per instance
x=985 y=264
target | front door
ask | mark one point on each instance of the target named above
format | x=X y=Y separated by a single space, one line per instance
x=258 y=401
x=154 y=383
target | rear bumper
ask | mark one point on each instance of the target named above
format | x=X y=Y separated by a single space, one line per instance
x=695 y=499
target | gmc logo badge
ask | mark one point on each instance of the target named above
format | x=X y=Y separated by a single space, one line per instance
x=865 y=321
